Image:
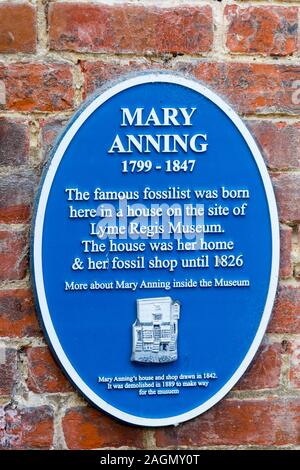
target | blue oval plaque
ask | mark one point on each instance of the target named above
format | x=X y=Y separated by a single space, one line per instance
x=155 y=249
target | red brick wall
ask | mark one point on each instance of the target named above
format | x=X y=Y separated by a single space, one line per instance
x=52 y=55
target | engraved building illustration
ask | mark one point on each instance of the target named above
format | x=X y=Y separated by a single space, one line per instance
x=155 y=331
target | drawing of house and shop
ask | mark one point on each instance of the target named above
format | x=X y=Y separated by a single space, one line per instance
x=155 y=331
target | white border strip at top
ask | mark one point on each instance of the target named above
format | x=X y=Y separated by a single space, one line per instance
x=38 y=233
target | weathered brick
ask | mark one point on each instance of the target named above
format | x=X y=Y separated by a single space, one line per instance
x=37 y=86
x=16 y=196
x=249 y=87
x=17 y=27
x=294 y=375
x=98 y=72
x=26 y=428
x=44 y=375
x=269 y=30
x=267 y=422
x=280 y=143
x=287 y=193
x=8 y=369
x=50 y=130
x=286 y=267
x=13 y=254
x=86 y=428
x=17 y=314
x=14 y=141
x=130 y=28
x=286 y=312
x=264 y=372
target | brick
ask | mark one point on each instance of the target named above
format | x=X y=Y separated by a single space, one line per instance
x=286 y=267
x=127 y=28
x=86 y=428
x=37 y=86
x=17 y=314
x=249 y=88
x=13 y=254
x=286 y=312
x=294 y=374
x=98 y=72
x=280 y=143
x=50 y=130
x=44 y=375
x=16 y=196
x=287 y=193
x=8 y=369
x=266 y=422
x=264 y=372
x=26 y=428
x=269 y=30
x=14 y=142
x=17 y=27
